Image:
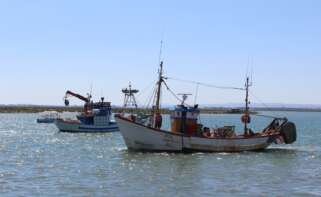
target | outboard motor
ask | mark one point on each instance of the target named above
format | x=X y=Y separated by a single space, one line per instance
x=288 y=132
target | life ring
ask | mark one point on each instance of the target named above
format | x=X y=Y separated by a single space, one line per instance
x=246 y=118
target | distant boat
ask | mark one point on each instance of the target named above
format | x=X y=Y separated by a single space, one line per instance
x=48 y=117
x=95 y=118
x=187 y=134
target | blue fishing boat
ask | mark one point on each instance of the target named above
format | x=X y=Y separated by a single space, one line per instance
x=96 y=117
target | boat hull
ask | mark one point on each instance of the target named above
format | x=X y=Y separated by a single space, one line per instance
x=48 y=121
x=226 y=145
x=77 y=127
x=138 y=137
x=142 y=138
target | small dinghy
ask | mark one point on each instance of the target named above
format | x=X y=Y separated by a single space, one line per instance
x=187 y=134
x=95 y=118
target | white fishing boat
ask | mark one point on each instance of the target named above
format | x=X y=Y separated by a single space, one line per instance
x=95 y=118
x=47 y=117
x=187 y=134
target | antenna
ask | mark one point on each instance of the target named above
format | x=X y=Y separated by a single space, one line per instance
x=91 y=90
x=196 y=93
x=160 y=51
x=251 y=78
x=184 y=97
x=247 y=67
x=102 y=95
x=249 y=72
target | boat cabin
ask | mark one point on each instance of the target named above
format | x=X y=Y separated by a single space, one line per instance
x=99 y=114
x=184 y=119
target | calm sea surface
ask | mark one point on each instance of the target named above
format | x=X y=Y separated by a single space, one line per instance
x=37 y=160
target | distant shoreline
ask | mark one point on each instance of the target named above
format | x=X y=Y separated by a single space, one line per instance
x=212 y=110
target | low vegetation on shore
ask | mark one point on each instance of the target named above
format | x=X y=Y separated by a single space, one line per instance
x=37 y=109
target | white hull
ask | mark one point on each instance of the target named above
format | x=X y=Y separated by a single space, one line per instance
x=77 y=127
x=140 y=137
x=226 y=145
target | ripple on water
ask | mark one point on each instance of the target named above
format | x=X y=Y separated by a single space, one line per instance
x=37 y=160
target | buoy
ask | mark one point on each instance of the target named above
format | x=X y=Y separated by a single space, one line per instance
x=246 y=118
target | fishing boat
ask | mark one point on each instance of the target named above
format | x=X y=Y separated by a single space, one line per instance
x=188 y=135
x=96 y=117
x=47 y=117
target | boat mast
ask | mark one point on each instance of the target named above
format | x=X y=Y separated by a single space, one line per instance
x=247 y=108
x=156 y=118
x=159 y=88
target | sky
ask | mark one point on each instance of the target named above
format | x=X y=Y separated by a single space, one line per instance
x=48 y=47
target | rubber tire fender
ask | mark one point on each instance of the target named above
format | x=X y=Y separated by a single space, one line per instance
x=288 y=131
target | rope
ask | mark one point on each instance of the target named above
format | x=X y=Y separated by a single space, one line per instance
x=145 y=89
x=265 y=105
x=173 y=93
x=266 y=116
x=150 y=99
x=206 y=85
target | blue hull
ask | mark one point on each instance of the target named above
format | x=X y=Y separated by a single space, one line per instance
x=74 y=127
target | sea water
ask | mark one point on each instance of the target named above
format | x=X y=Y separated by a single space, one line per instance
x=37 y=160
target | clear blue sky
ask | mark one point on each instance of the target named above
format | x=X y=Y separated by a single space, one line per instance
x=47 y=47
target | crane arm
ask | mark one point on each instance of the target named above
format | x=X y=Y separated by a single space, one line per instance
x=85 y=99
